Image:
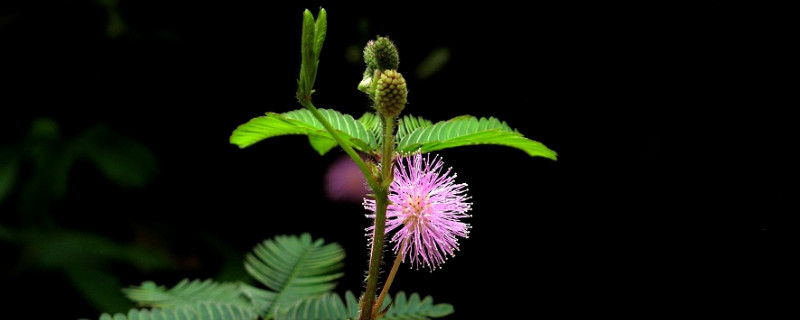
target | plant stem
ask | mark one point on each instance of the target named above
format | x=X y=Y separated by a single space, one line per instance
x=375 y=256
x=346 y=147
x=389 y=280
x=388 y=151
x=381 y=202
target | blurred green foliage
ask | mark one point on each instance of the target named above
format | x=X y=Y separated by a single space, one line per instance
x=49 y=159
x=116 y=26
x=35 y=174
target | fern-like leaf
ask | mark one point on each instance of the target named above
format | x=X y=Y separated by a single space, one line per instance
x=468 y=130
x=373 y=124
x=302 y=122
x=414 y=308
x=196 y=311
x=330 y=306
x=295 y=268
x=408 y=124
x=188 y=292
x=263 y=300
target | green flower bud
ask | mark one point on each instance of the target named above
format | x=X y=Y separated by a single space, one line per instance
x=366 y=85
x=390 y=93
x=369 y=58
x=381 y=54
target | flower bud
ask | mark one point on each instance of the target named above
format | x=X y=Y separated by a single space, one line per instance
x=366 y=84
x=390 y=93
x=381 y=54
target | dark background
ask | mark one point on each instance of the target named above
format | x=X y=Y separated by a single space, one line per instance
x=672 y=190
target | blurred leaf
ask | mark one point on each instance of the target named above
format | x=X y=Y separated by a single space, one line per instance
x=116 y=25
x=433 y=63
x=52 y=161
x=330 y=306
x=56 y=249
x=6 y=234
x=231 y=269
x=197 y=311
x=9 y=165
x=44 y=129
x=187 y=292
x=297 y=268
x=99 y=287
x=262 y=299
x=122 y=160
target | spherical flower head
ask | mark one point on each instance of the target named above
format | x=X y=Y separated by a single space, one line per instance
x=390 y=93
x=425 y=211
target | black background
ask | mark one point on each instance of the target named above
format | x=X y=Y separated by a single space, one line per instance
x=672 y=190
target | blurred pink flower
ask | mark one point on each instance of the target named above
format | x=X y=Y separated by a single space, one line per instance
x=344 y=182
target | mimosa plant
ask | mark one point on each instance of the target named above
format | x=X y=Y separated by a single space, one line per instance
x=415 y=203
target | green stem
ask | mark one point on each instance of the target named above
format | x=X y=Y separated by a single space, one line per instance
x=346 y=147
x=375 y=256
x=388 y=151
x=381 y=202
x=392 y=273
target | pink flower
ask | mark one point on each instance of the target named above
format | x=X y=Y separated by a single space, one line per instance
x=425 y=211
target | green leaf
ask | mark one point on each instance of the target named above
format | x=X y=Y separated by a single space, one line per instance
x=308 y=66
x=302 y=122
x=352 y=303
x=468 y=130
x=295 y=268
x=196 y=311
x=373 y=124
x=188 y=292
x=416 y=308
x=408 y=124
x=330 y=306
x=263 y=300
x=320 y=31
